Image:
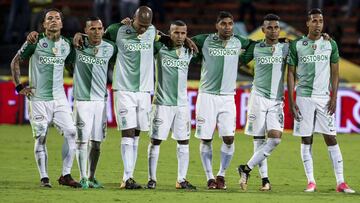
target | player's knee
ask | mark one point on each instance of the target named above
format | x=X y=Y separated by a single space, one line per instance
x=228 y=140
x=69 y=132
x=307 y=140
x=330 y=140
x=155 y=141
x=274 y=134
x=40 y=129
x=259 y=137
x=183 y=142
x=128 y=133
x=95 y=145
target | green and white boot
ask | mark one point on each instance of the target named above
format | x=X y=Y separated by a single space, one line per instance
x=84 y=182
x=93 y=183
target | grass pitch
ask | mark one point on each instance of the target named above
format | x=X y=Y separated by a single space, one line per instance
x=19 y=179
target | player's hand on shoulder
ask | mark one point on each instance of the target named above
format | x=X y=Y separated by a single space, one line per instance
x=126 y=21
x=326 y=36
x=78 y=40
x=191 y=45
x=32 y=37
x=284 y=40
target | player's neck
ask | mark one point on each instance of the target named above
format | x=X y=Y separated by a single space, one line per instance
x=54 y=36
x=94 y=43
x=271 y=41
x=313 y=37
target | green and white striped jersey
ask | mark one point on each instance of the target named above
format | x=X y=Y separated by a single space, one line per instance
x=312 y=59
x=134 y=67
x=270 y=61
x=90 y=73
x=46 y=67
x=172 y=67
x=219 y=62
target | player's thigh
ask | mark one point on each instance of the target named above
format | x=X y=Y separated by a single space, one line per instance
x=143 y=111
x=324 y=122
x=63 y=119
x=305 y=126
x=226 y=119
x=181 y=125
x=125 y=104
x=99 y=125
x=83 y=117
x=161 y=120
x=40 y=117
x=206 y=113
x=275 y=116
x=256 y=116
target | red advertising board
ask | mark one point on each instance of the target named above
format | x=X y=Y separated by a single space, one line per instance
x=14 y=107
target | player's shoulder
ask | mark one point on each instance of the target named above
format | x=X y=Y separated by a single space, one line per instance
x=239 y=37
x=66 y=40
x=108 y=42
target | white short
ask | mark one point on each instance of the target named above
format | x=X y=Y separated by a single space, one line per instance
x=132 y=110
x=43 y=113
x=315 y=118
x=90 y=119
x=212 y=110
x=166 y=118
x=264 y=115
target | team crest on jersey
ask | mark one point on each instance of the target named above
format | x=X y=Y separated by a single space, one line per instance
x=95 y=50
x=273 y=49
x=305 y=43
x=55 y=50
x=314 y=46
x=128 y=31
x=45 y=45
x=105 y=52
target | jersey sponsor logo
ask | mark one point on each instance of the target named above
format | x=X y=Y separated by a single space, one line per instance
x=314 y=58
x=168 y=62
x=158 y=121
x=200 y=120
x=51 y=60
x=80 y=124
x=137 y=46
x=123 y=112
x=223 y=52
x=38 y=118
x=251 y=117
x=91 y=60
x=269 y=60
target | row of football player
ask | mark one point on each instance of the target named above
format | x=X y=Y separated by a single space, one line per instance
x=134 y=43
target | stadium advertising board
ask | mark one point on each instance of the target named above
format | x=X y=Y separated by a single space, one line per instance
x=14 y=107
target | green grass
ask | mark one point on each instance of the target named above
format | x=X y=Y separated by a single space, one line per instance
x=19 y=179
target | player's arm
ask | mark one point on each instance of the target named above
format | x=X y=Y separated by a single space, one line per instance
x=24 y=53
x=248 y=54
x=291 y=76
x=70 y=61
x=199 y=41
x=334 y=77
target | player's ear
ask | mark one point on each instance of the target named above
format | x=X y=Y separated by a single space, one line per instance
x=263 y=29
